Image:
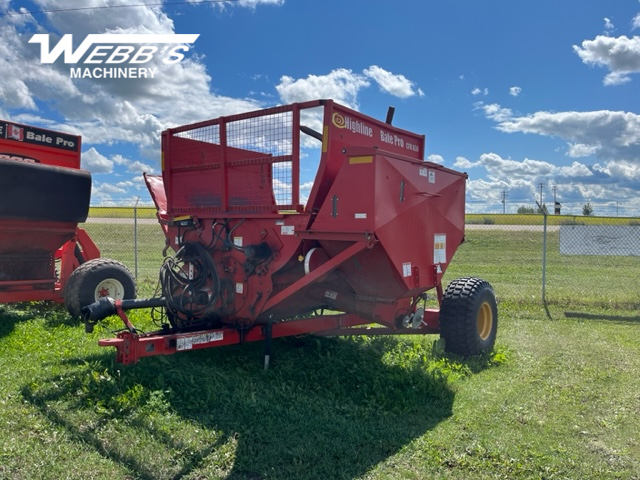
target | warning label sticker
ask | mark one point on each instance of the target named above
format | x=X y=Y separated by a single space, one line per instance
x=406 y=269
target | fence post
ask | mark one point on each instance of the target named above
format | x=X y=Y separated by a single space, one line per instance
x=135 y=238
x=544 y=253
x=544 y=259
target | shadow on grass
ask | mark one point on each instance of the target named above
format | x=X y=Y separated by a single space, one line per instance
x=14 y=313
x=599 y=316
x=327 y=408
x=54 y=315
x=8 y=320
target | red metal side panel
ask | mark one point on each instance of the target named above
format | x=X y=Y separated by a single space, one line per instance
x=415 y=210
x=37 y=145
x=345 y=128
x=425 y=228
x=206 y=171
x=197 y=178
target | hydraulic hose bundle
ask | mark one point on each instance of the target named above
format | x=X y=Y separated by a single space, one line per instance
x=190 y=284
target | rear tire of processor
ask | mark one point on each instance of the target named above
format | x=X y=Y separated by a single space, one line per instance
x=100 y=277
x=469 y=317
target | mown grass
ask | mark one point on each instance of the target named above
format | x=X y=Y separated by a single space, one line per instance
x=557 y=399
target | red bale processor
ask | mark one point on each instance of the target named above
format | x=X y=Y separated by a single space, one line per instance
x=252 y=262
x=43 y=196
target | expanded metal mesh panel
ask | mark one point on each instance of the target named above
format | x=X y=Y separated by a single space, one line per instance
x=268 y=134
x=282 y=183
x=239 y=165
x=208 y=134
x=26 y=266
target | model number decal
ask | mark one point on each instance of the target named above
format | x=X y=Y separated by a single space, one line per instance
x=187 y=343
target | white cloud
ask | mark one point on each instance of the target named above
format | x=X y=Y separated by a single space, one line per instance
x=520 y=179
x=621 y=55
x=394 y=84
x=478 y=91
x=435 y=158
x=612 y=136
x=344 y=85
x=341 y=84
x=577 y=150
x=515 y=91
x=494 y=111
x=606 y=184
x=108 y=188
x=616 y=78
x=610 y=130
x=636 y=22
x=110 y=110
x=120 y=160
x=252 y=4
x=608 y=24
x=95 y=162
x=463 y=163
x=498 y=167
x=139 y=167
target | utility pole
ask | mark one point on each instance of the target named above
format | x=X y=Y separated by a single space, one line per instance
x=541 y=185
x=503 y=195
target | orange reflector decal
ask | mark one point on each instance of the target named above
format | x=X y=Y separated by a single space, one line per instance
x=366 y=159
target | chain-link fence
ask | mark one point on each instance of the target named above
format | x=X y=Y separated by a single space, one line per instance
x=133 y=236
x=569 y=261
x=573 y=261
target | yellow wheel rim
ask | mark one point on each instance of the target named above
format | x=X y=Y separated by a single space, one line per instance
x=485 y=321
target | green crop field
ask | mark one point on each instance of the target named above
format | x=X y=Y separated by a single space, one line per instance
x=122 y=212
x=537 y=219
x=559 y=398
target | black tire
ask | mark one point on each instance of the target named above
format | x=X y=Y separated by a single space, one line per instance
x=98 y=278
x=469 y=317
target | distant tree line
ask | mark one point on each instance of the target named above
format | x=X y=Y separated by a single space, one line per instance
x=587 y=210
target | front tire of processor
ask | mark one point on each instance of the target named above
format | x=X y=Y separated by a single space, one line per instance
x=469 y=317
x=95 y=279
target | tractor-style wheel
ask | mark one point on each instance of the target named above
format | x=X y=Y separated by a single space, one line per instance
x=469 y=317
x=97 y=278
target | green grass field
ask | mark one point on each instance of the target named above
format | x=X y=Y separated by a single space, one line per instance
x=559 y=398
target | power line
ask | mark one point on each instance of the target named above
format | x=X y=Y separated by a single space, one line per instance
x=132 y=5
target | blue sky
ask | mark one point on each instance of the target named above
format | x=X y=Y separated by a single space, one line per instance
x=514 y=93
